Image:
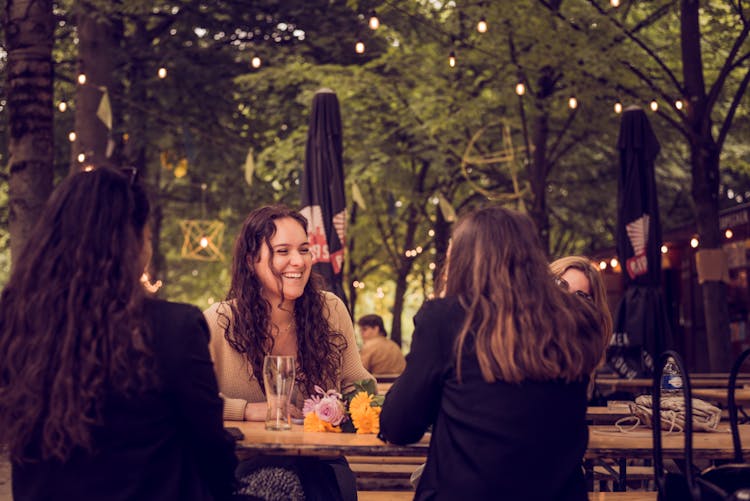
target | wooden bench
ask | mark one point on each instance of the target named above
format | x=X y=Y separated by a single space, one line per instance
x=593 y=496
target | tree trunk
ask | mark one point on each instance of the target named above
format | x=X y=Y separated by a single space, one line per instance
x=704 y=160
x=398 y=303
x=538 y=177
x=705 y=170
x=97 y=55
x=29 y=34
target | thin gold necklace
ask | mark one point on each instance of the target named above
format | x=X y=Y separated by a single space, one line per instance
x=285 y=330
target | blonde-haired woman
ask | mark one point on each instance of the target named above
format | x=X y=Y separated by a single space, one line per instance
x=578 y=275
x=499 y=368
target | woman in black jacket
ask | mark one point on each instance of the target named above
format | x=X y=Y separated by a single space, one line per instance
x=498 y=367
x=104 y=394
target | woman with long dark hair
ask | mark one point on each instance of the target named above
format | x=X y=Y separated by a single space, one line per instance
x=104 y=393
x=498 y=367
x=275 y=306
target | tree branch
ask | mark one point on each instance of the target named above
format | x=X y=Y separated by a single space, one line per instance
x=732 y=109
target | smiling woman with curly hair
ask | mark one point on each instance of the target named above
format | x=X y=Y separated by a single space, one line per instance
x=275 y=306
x=104 y=393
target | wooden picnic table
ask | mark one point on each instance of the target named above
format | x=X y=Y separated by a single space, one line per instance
x=741 y=396
x=295 y=442
x=608 y=442
x=645 y=384
x=604 y=441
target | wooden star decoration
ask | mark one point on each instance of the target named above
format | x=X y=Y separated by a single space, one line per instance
x=202 y=239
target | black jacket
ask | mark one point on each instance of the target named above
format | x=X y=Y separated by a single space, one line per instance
x=168 y=444
x=489 y=441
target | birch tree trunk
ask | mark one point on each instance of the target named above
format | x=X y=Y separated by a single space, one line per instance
x=29 y=34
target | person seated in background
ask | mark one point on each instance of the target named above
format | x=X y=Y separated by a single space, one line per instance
x=379 y=354
x=105 y=393
x=577 y=275
x=498 y=368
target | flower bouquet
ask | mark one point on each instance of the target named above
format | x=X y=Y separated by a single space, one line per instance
x=355 y=411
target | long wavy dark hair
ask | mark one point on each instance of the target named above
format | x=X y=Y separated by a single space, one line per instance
x=71 y=317
x=319 y=347
x=522 y=326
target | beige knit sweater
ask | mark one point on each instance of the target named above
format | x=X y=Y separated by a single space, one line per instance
x=238 y=385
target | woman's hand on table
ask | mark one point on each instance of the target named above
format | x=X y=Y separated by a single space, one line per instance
x=255 y=411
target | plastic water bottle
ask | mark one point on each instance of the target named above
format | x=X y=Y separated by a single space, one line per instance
x=671 y=380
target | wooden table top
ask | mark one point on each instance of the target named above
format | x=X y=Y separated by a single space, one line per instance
x=295 y=442
x=741 y=396
x=647 y=383
x=604 y=441
x=607 y=441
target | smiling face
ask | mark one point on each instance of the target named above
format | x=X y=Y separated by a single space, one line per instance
x=285 y=267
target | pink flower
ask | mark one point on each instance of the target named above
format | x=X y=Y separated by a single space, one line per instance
x=310 y=405
x=331 y=410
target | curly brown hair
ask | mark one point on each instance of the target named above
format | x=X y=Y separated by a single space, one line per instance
x=71 y=328
x=319 y=348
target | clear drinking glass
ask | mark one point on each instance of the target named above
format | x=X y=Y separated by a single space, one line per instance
x=278 y=378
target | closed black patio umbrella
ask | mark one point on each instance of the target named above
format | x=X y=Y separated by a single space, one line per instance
x=323 y=200
x=642 y=329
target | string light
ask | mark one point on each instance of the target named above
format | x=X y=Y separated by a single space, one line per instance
x=614 y=3
x=62 y=106
x=374 y=22
x=82 y=79
x=162 y=72
x=204 y=242
x=654 y=105
x=88 y=168
x=72 y=137
x=359 y=47
x=431 y=233
x=602 y=265
x=482 y=25
x=618 y=107
x=255 y=62
x=81 y=158
x=664 y=249
x=694 y=242
x=432 y=266
x=452 y=59
x=613 y=262
x=728 y=234
x=520 y=89
x=679 y=104
x=573 y=103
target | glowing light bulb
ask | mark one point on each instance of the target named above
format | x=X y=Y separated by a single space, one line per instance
x=618 y=107
x=482 y=26
x=204 y=242
x=520 y=89
x=664 y=249
x=162 y=72
x=88 y=168
x=572 y=103
x=728 y=234
x=602 y=265
x=694 y=242
x=654 y=105
x=614 y=3
x=374 y=22
x=614 y=262
x=679 y=104
x=359 y=47
x=452 y=59
x=62 y=106
x=255 y=62
x=72 y=137
x=82 y=79
x=432 y=266
x=431 y=233
x=81 y=158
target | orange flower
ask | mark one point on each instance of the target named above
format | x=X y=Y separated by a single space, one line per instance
x=314 y=423
x=366 y=419
x=360 y=402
